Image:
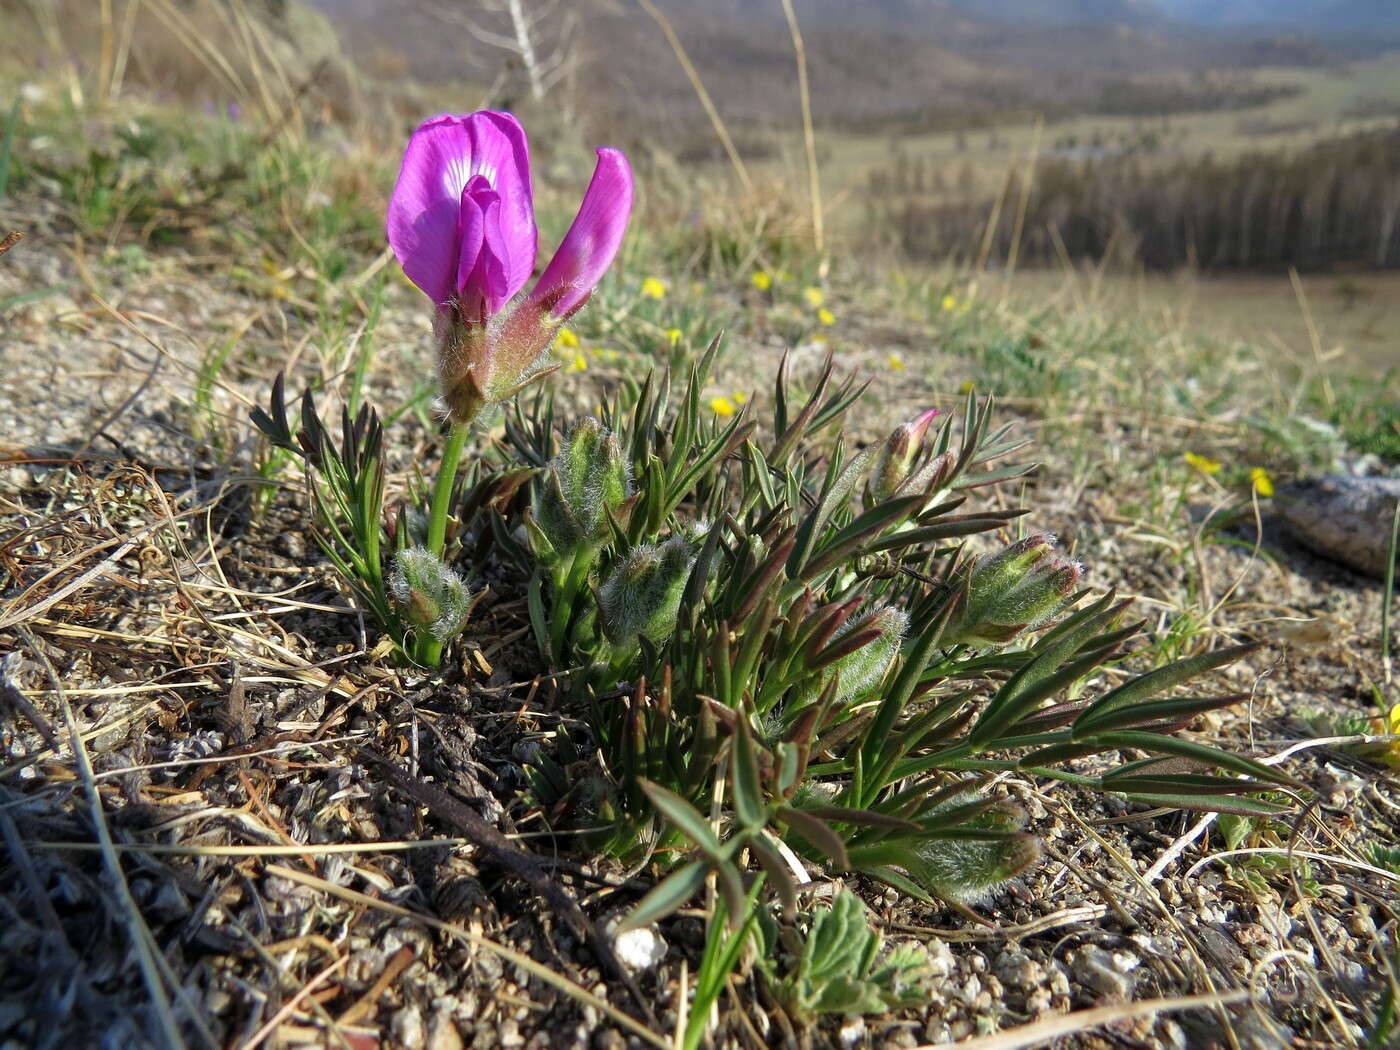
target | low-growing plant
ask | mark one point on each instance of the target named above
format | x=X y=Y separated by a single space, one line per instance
x=763 y=602
x=1384 y=1027
x=1254 y=870
x=1383 y=856
x=840 y=969
x=782 y=648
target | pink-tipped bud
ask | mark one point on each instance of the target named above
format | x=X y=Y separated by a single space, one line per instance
x=894 y=466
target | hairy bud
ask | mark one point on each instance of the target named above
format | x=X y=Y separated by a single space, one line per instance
x=966 y=870
x=1014 y=589
x=428 y=595
x=580 y=485
x=862 y=670
x=643 y=594
x=894 y=472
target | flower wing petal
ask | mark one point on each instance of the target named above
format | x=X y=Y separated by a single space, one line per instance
x=501 y=153
x=472 y=236
x=592 y=242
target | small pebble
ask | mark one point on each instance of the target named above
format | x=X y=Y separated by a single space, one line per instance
x=1107 y=973
x=639 y=949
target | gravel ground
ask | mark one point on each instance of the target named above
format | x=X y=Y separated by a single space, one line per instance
x=231 y=710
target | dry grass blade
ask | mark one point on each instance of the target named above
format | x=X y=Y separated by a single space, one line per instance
x=141 y=940
x=1369 y=869
x=291 y=1004
x=1177 y=848
x=517 y=861
x=568 y=987
x=325 y=849
x=1065 y=917
x=1040 y=1032
x=401 y=961
x=809 y=138
x=1388 y=593
x=18 y=613
x=693 y=75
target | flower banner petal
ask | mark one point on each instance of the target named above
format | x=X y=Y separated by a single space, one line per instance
x=422 y=222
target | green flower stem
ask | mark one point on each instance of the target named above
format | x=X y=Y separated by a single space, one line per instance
x=427 y=650
x=442 y=488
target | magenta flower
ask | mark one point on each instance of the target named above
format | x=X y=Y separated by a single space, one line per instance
x=462 y=223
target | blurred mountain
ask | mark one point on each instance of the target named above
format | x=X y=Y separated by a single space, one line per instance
x=903 y=65
x=1320 y=16
x=1135 y=13
x=925 y=16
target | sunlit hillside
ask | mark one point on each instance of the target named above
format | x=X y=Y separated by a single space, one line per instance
x=698 y=526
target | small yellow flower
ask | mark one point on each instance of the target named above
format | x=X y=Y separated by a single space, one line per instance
x=966 y=387
x=825 y=316
x=814 y=296
x=949 y=304
x=895 y=362
x=673 y=335
x=603 y=353
x=1204 y=464
x=567 y=339
x=1389 y=725
x=1263 y=483
x=579 y=363
x=722 y=406
x=762 y=280
x=741 y=398
x=652 y=288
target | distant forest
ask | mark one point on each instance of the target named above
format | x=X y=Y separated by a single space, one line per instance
x=1335 y=204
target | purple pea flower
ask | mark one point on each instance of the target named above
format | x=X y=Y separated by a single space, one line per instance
x=462 y=223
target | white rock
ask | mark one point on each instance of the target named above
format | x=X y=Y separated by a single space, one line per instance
x=638 y=949
x=852 y=1032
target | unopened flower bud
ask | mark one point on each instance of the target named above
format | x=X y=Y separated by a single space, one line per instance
x=894 y=464
x=580 y=485
x=862 y=670
x=643 y=594
x=966 y=870
x=429 y=595
x=1014 y=589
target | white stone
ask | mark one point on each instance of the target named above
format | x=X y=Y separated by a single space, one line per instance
x=639 y=949
x=852 y=1032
